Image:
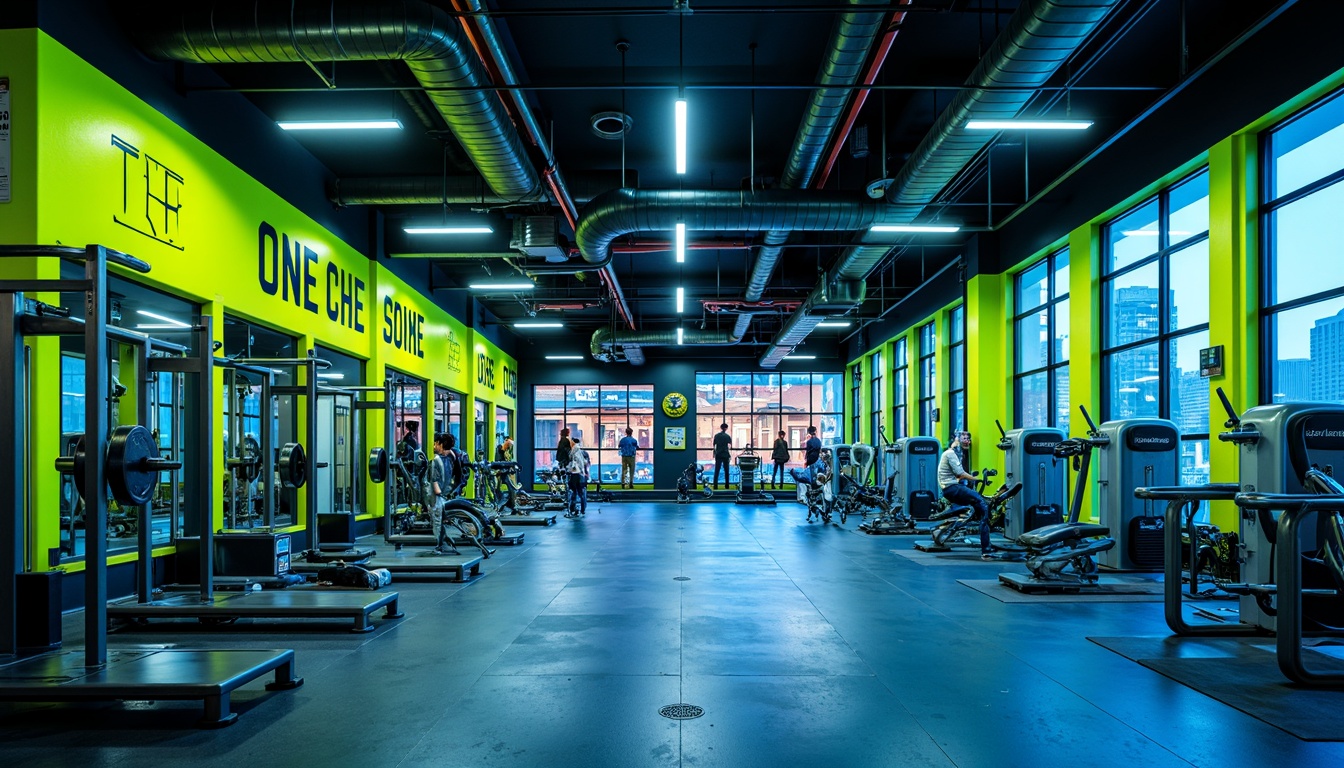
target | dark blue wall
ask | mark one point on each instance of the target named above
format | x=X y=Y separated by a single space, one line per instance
x=666 y=376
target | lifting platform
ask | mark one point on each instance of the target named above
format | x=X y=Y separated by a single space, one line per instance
x=540 y=518
x=415 y=560
x=296 y=603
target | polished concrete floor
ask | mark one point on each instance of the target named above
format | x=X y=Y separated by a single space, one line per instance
x=805 y=645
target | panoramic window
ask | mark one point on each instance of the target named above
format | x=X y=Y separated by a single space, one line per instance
x=900 y=376
x=928 y=347
x=757 y=406
x=956 y=357
x=1041 y=328
x=1303 y=287
x=877 y=397
x=1155 y=316
x=598 y=416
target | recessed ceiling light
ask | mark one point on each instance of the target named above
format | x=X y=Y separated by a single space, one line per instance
x=681 y=243
x=800 y=357
x=339 y=125
x=681 y=135
x=1028 y=125
x=680 y=335
x=173 y=323
x=834 y=324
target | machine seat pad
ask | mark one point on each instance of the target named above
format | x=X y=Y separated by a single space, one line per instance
x=1061 y=532
x=949 y=512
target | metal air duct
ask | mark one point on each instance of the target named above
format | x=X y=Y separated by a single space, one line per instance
x=604 y=341
x=454 y=190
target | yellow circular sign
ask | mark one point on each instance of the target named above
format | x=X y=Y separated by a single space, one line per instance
x=675 y=405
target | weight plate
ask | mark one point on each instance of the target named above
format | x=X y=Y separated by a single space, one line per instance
x=379 y=465
x=419 y=465
x=250 y=451
x=130 y=477
x=79 y=466
x=293 y=465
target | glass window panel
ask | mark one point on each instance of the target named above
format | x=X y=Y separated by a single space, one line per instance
x=1061 y=340
x=796 y=392
x=737 y=393
x=1134 y=383
x=897 y=422
x=900 y=356
x=958 y=329
x=1062 y=408
x=1194 y=462
x=1133 y=237
x=641 y=398
x=1032 y=286
x=956 y=370
x=708 y=392
x=1133 y=306
x=1306 y=240
x=1033 y=400
x=959 y=410
x=765 y=393
x=581 y=399
x=1189 y=395
x=1062 y=273
x=926 y=418
x=1033 y=334
x=1309 y=353
x=549 y=398
x=1309 y=148
x=1188 y=276
x=830 y=386
x=828 y=427
x=1189 y=205
x=614 y=399
x=706 y=427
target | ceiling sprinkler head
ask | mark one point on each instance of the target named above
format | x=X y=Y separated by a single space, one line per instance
x=611 y=125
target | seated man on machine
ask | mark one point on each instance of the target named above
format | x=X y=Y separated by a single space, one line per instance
x=807 y=476
x=951 y=473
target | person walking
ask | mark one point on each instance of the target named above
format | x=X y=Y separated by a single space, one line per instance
x=780 y=455
x=722 y=443
x=627 y=448
x=578 y=484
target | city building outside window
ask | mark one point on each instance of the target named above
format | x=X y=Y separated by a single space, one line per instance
x=900 y=376
x=878 y=399
x=756 y=407
x=956 y=359
x=598 y=415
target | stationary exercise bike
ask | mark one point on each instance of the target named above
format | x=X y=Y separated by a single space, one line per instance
x=956 y=522
x=1064 y=554
x=817 y=493
x=857 y=497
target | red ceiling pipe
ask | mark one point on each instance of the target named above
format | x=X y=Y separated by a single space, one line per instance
x=860 y=96
x=728 y=305
x=551 y=174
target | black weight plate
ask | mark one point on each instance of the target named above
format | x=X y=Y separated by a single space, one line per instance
x=129 y=477
x=79 y=467
x=293 y=466
x=379 y=465
x=420 y=465
x=251 y=452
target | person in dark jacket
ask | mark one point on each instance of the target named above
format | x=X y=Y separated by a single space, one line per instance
x=813 y=446
x=722 y=443
x=780 y=455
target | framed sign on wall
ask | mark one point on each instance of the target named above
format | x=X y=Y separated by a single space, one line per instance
x=674 y=438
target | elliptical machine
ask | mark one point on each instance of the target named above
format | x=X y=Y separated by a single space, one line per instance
x=1062 y=557
x=748 y=464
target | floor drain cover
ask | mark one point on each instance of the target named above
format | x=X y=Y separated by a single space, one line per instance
x=681 y=578
x=681 y=711
x=681 y=541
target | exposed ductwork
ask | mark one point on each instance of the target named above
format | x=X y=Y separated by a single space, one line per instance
x=1040 y=37
x=433 y=44
x=430 y=42
x=623 y=211
x=453 y=190
x=605 y=342
x=851 y=40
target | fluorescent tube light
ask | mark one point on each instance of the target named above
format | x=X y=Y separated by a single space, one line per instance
x=475 y=230
x=564 y=357
x=157 y=327
x=681 y=243
x=681 y=299
x=339 y=125
x=538 y=325
x=1028 y=125
x=501 y=286
x=800 y=357
x=172 y=323
x=681 y=135
x=833 y=324
x=331 y=375
x=680 y=335
x=925 y=228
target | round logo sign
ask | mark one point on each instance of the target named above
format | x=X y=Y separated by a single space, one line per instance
x=674 y=405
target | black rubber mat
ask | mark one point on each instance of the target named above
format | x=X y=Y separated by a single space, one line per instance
x=1110 y=590
x=1244 y=674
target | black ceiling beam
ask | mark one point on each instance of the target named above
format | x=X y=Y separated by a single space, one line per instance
x=719 y=10
x=726 y=86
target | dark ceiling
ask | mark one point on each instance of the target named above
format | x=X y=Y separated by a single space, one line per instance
x=567 y=58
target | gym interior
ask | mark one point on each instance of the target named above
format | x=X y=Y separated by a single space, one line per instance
x=444 y=382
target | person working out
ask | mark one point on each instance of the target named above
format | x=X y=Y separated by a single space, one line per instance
x=780 y=455
x=951 y=473
x=504 y=451
x=627 y=447
x=578 y=480
x=722 y=442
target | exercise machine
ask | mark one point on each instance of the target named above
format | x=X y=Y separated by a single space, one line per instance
x=513 y=505
x=913 y=480
x=1134 y=453
x=124 y=463
x=748 y=466
x=1062 y=557
x=694 y=476
x=1029 y=459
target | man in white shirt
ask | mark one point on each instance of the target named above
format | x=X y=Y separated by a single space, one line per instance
x=951 y=473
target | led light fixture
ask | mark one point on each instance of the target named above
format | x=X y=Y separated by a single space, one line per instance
x=924 y=228
x=331 y=375
x=538 y=325
x=339 y=125
x=681 y=299
x=172 y=323
x=800 y=357
x=833 y=324
x=680 y=335
x=459 y=230
x=681 y=243
x=1028 y=125
x=681 y=135
x=564 y=357
x=501 y=286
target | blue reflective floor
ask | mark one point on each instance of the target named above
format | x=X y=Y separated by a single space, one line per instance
x=805 y=645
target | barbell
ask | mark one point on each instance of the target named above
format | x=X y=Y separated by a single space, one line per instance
x=131 y=465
